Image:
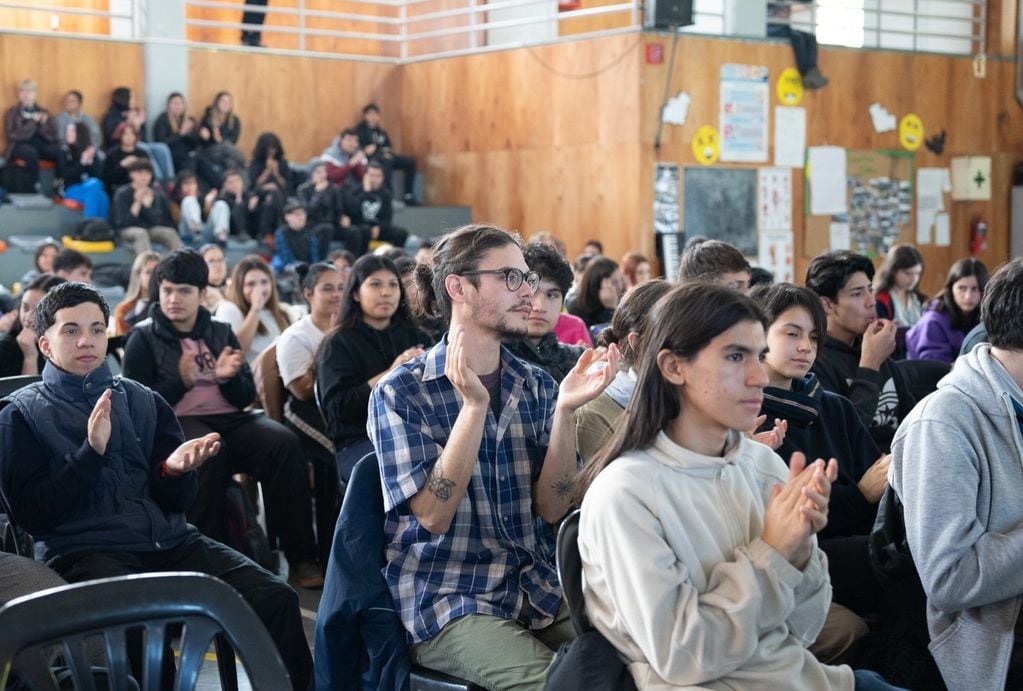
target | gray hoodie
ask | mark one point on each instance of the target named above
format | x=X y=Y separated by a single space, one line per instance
x=958 y=467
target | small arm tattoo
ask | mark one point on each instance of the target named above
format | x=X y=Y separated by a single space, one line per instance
x=439 y=485
x=563 y=487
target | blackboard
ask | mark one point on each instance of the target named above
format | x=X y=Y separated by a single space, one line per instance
x=721 y=204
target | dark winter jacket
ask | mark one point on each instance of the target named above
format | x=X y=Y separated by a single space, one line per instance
x=72 y=499
x=348 y=360
x=153 y=351
x=825 y=425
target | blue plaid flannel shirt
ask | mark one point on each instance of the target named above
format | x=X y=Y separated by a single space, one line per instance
x=497 y=558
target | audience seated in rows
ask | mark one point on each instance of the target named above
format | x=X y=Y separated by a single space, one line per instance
x=323 y=203
x=346 y=162
x=196 y=365
x=698 y=553
x=78 y=167
x=73 y=115
x=202 y=222
x=120 y=157
x=939 y=333
x=219 y=130
x=368 y=213
x=125 y=113
x=178 y=131
x=19 y=350
x=374 y=335
x=297 y=240
x=600 y=288
x=42 y=262
x=216 y=264
x=96 y=469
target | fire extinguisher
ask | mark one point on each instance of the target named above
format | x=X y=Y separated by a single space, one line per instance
x=978 y=235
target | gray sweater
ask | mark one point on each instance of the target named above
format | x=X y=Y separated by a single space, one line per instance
x=958 y=467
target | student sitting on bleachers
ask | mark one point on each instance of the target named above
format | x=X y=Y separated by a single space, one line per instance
x=323 y=203
x=251 y=307
x=216 y=262
x=96 y=469
x=376 y=143
x=179 y=131
x=269 y=168
x=369 y=213
x=72 y=115
x=219 y=130
x=80 y=170
x=346 y=162
x=135 y=305
x=600 y=289
x=31 y=135
x=195 y=364
x=142 y=211
x=201 y=222
x=125 y=111
x=19 y=351
x=247 y=216
x=296 y=240
x=120 y=157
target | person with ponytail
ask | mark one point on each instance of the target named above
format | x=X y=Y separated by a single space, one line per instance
x=699 y=552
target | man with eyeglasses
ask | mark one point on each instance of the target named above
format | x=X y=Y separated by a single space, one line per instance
x=474 y=446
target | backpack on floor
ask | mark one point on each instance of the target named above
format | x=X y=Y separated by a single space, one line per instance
x=93 y=230
x=245 y=533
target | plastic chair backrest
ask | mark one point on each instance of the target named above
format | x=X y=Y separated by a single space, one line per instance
x=570 y=572
x=71 y=616
x=9 y=385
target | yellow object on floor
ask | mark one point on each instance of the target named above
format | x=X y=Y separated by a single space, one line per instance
x=82 y=246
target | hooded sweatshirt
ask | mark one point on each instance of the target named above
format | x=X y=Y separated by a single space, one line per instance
x=677 y=577
x=957 y=465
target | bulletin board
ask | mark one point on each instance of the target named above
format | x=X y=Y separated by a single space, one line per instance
x=721 y=204
x=879 y=189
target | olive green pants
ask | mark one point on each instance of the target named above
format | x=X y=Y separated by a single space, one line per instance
x=495 y=653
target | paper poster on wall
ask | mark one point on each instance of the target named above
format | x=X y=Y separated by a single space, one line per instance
x=789 y=137
x=777 y=255
x=932 y=184
x=838 y=235
x=879 y=185
x=743 y=113
x=774 y=199
x=971 y=178
x=827 y=180
x=942 y=230
x=666 y=198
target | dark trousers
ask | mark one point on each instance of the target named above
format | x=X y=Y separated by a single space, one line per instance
x=406 y=164
x=853 y=582
x=357 y=237
x=270 y=453
x=804 y=45
x=249 y=17
x=32 y=152
x=273 y=600
x=267 y=216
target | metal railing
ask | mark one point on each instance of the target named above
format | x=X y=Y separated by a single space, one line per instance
x=408 y=30
x=956 y=27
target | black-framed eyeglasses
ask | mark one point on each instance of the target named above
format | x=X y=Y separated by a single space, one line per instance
x=513 y=278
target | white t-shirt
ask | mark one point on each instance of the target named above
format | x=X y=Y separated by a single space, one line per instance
x=296 y=348
x=228 y=312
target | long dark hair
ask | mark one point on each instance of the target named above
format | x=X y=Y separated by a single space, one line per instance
x=83 y=140
x=351 y=310
x=632 y=315
x=945 y=300
x=263 y=144
x=588 y=299
x=684 y=321
x=898 y=257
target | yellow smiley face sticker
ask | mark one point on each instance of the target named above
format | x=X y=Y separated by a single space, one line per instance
x=789 y=87
x=706 y=145
x=911 y=132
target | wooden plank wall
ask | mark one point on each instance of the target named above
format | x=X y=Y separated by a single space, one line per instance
x=61 y=64
x=44 y=19
x=534 y=139
x=980 y=117
x=306 y=101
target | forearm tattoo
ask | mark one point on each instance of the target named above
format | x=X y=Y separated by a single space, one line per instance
x=438 y=485
x=563 y=487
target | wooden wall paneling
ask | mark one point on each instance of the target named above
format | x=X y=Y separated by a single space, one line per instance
x=447 y=42
x=976 y=114
x=304 y=100
x=61 y=64
x=534 y=139
x=42 y=20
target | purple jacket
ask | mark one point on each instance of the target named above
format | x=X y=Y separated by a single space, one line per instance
x=933 y=338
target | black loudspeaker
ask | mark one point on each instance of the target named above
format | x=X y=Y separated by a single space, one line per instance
x=662 y=14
